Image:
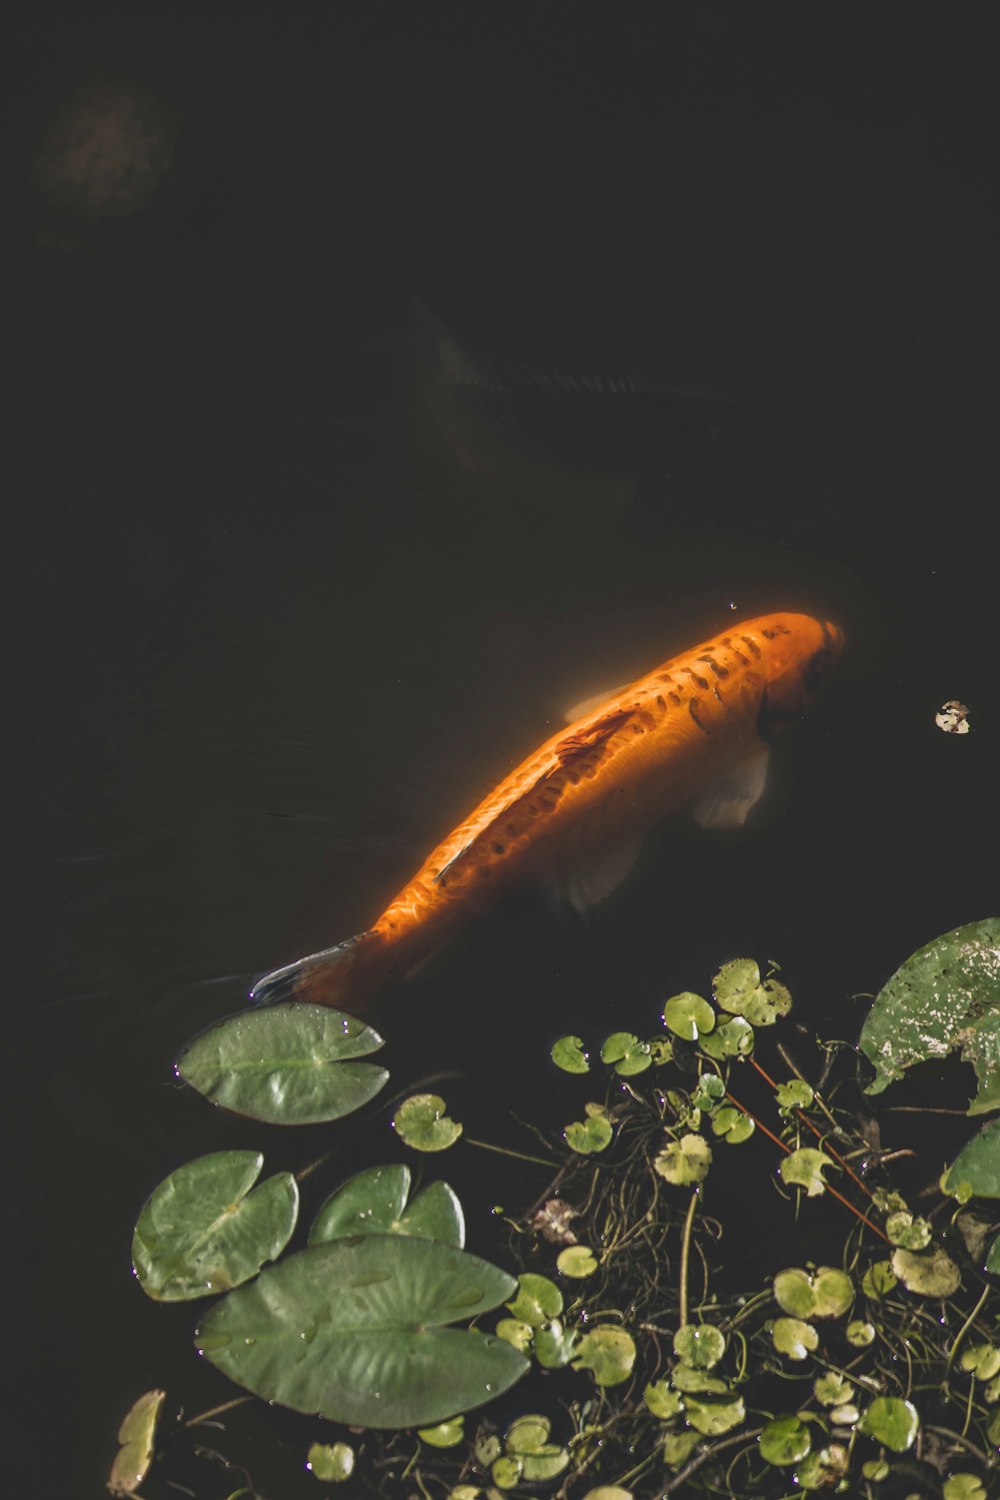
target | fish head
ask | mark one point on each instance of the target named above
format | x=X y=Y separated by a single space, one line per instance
x=798 y=652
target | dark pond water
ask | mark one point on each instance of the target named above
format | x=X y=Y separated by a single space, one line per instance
x=287 y=600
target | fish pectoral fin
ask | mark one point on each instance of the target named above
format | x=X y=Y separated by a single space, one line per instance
x=726 y=801
x=591 y=878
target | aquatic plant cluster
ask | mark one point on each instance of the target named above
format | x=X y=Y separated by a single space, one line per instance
x=664 y=1366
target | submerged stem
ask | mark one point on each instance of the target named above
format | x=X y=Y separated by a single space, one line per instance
x=685 y=1260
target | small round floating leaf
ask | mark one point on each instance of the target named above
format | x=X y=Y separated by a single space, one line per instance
x=700 y=1345
x=735 y=982
x=355 y=1330
x=678 y=1447
x=627 y=1054
x=662 y=1400
x=422 y=1123
x=804 y=1168
x=822 y=1469
x=844 y=1416
x=832 y=1389
x=528 y=1434
x=592 y=1134
x=733 y=1125
x=538 y=1299
x=784 y=1441
x=137 y=1436
x=203 y=1230
x=794 y=1337
x=991 y=1392
x=688 y=1016
x=516 y=1332
x=444 y=1434
x=879 y=1279
x=929 y=1275
x=892 y=1422
x=795 y=1094
x=577 y=1261
x=661 y=1050
x=963 y=1487
x=711 y=1418
x=486 y=1449
x=684 y=1162
x=903 y=1229
x=875 y=1469
x=568 y=1054
x=608 y=1353
x=824 y=1293
x=710 y=1092
x=983 y=1360
x=694 y=1382
x=859 y=1333
x=285 y=1064
x=945 y=996
x=332 y=1462
x=544 y=1463
x=506 y=1471
x=734 y=1038
x=768 y=1004
x=554 y=1345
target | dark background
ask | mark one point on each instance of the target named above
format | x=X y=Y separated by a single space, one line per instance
x=283 y=605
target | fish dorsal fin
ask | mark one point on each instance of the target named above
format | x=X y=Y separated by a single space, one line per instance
x=589 y=736
x=726 y=801
x=590 y=879
x=587 y=705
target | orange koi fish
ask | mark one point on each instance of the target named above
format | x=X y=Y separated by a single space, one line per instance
x=693 y=731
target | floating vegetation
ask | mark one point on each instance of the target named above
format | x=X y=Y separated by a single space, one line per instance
x=666 y=1360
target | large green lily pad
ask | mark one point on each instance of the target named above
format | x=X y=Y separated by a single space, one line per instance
x=203 y=1230
x=375 y=1202
x=285 y=1064
x=356 y=1331
x=944 y=997
x=978 y=1164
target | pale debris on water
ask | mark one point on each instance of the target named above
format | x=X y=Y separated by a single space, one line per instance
x=953 y=717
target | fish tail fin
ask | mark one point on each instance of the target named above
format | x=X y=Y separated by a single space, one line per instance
x=346 y=976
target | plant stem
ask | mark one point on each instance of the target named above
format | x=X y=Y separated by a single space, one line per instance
x=703 y=1457
x=685 y=1260
x=960 y=1335
x=805 y=1120
x=216 y=1411
x=539 y=1161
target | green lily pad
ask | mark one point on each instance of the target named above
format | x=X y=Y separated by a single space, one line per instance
x=544 y=1463
x=892 y=1422
x=804 y=1168
x=712 y=1417
x=137 y=1436
x=733 y=1125
x=285 y=1064
x=331 y=1462
x=879 y=1279
x=662 y=1400
x=608 y=1353
x=577 y=1261
x=554 y=1345
x=444 y=1434
x=875 y=1469
x=592 y=1134
x=945 y=996
x=784 y=1441
x=506 y=1471
x=993 y=1258
x=684 y=1162
x=697 y=1382
x=903 y=1229
x=661 y=1050
x=626 y=1053
x=978 y=1164
x=355 y=1330
x=678 y=1447
x=963 y=1487
x=517 y=1333
x=421 y=1122
x=793 y=1095
x=931 y=1275
x=537 y=1300
x=688 y=1016
x=832 y=1389
x=700 y=1345
x=710 y=1092
x=374 y=1202
x=733 y=1038
x=528 y=1434
x=823 y=1469
x=795 y=1338
x=738 y=988
x=824 y=1293
x=203 y=1230
x=608 y=1492
x=859 y=1333
x=983 y=1360
x=568 y=1054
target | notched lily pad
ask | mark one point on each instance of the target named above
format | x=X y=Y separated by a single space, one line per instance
x=795 y=1094
x=688 y=1016
x=626 y=1053
x=568 y=1053
x=804 y=1168
x=331 y=1462
x=684 y=1162
x=206 y=1228
x=662 y=1400
x=824 y=1293
x=712 y=1417
x=733 y=1125
x=946 y=996
x=891 y=1421
x=537 y=1299
x=421 y=1122
x=137 y=1436
x=592 y=1134
x=784 y=1441
x=375 y=1202
x=577 y=1261
x=357 y=1331
x=608 y=1353
x=285 y=1064
x=794 y=1337
x=732 y=1038
x=933 y=1274
x=700 y=1345
x=739 y=989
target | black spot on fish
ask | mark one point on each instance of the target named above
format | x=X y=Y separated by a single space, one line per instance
x=499 y=848
x=675 y=699
x=698 y=681
x=693 y=706
x=660 y=702
x=714 y=666
x=751 y=646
